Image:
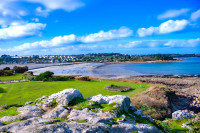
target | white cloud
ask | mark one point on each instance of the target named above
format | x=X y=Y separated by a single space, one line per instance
x=11 y=12
x=60 y=41
x=17 y=31
x=14 y=11
x=50 y=46
x=173 y=13
x=164 y=28
x=102 y=35
x=10 y=8
x=56 y=41
x=130 y=44
x=172 y=26
x=42 y=12
x=183 y=43
x=35 y=19
x=50 y=5
x=191 y=43
x=195 y=15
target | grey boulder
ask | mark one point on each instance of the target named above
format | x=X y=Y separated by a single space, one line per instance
x=62 y=98
x=180 y=114
x=123 y=101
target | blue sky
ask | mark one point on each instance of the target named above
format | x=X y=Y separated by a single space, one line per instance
x=94 y=26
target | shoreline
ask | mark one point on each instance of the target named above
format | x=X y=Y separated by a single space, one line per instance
x=60 y=64
x=134 y=62
x=109 y=70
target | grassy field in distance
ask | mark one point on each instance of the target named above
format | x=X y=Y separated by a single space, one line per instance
x=16 y=76
x=19 y=93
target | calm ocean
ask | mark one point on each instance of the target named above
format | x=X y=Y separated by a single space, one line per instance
x=190 y=67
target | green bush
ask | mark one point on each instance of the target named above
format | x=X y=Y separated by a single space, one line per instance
x=71 y=77
x=29 y=75
x=6 y=68
x=18 y=69
x=46 y=76
x=2 y=90
x=6 y=73
x=59 y=78
x=86 y=78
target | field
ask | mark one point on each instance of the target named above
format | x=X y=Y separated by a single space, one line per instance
x=19 y=93
x=16 y=76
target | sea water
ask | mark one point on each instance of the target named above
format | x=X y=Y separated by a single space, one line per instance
x=189 y=66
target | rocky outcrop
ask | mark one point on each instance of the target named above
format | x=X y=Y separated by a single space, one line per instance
x=58 y=112
x=30 y=110
x=186 y=89
x=61 y=98
x=195 y=105
x=181 y=114
x=154 y=102
x=93 y=116
x=26 y=112
x=123 y=101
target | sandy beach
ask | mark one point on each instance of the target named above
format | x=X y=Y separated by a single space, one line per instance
x=94 y=70
x=114 y=70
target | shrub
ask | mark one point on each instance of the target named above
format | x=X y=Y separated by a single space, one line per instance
x=54 y=103
x=18 y=69
x=86 y=78
x=6 y=68
x=29 y=75
x=46 y=76
x=71 y=77
x=6 y=73
x=59 y=78
x=157 y=106
x=2 y=90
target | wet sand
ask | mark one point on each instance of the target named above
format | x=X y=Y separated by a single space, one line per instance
x=94 y=70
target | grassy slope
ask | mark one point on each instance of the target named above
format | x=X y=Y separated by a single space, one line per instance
x=19 y=93
x=16 y=76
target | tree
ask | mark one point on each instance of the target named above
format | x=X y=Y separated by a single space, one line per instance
x=46 y=76
x=6 y=68
x=18 y=69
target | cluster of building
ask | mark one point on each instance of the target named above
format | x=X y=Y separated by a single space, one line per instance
x=7 y=59
x=99 y=57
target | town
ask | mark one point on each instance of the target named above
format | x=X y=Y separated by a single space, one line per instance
x=93 y=57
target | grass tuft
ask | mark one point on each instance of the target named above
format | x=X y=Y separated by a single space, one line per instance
x=54 y=103
x=9 y=122
x=12 y=111
x=81 y=121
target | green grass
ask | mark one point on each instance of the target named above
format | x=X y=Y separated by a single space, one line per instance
x=54 y=103
x=62 y=120
x=174 y=125
x=109 y=107
x=81 y=121
x=16 y=76
x=9 y=122
x=12 y=111
x=19 y=93
x=80 y=103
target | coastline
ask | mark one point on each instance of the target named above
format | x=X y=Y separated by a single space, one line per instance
x=109 y=70
x=134 y=62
